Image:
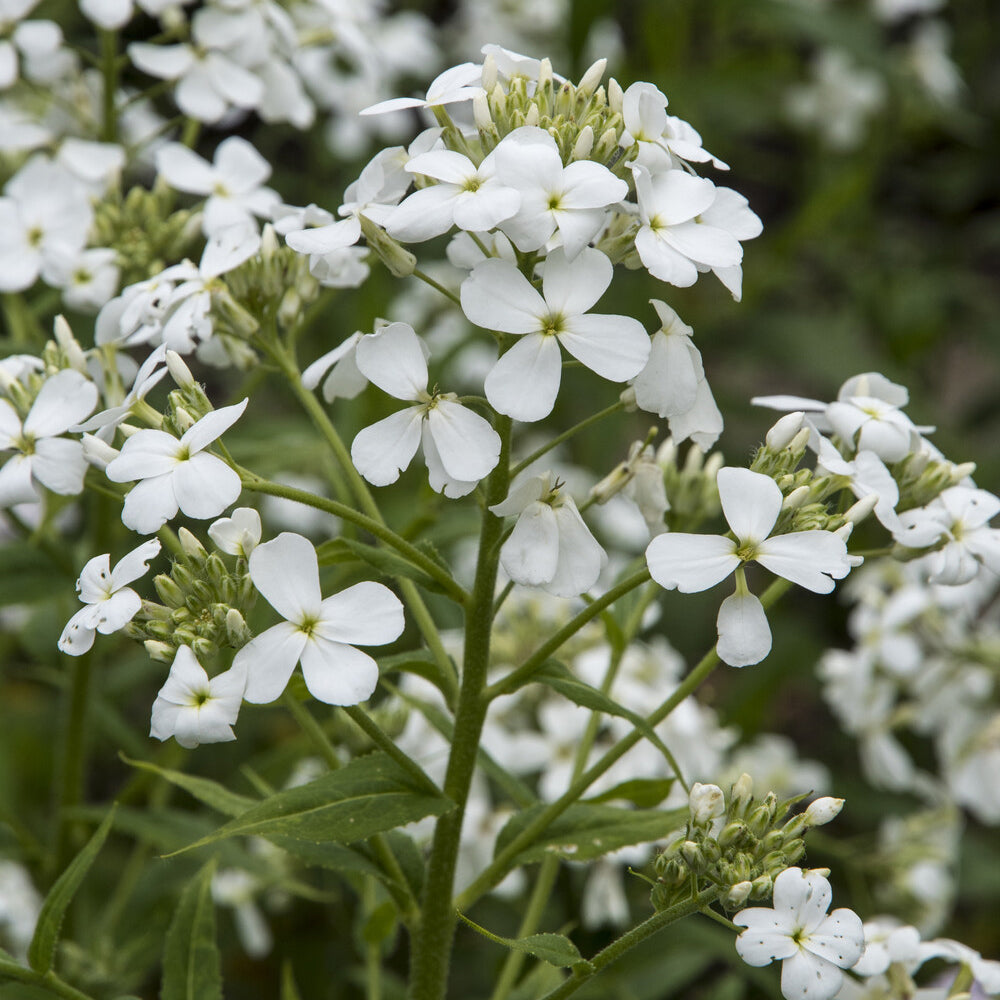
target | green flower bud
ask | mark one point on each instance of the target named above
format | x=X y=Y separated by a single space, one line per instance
x=693 y=856
x=401 y=263
x=736 y=836
x=193 y=549
x=203 y=649
x=737 y=895
x=237 y=630
x=161 y=652
x=168 y=591
x=742 y=793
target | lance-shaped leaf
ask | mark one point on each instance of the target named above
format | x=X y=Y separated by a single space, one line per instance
x=552 y=948
x=370 y=795
x=41 y=951
x=586 y=831
x=192 y=969
x=644 y=792
x=211 y=793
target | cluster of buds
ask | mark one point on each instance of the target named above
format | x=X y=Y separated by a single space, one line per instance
x=584 y=119
x=738 y=847
x=146 y=234
x=273 y=284
x=922 y=478
x=692 y=493
x=204 y=605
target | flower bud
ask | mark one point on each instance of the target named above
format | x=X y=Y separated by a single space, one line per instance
x=796 y=498
x=615 y=96
x=69 y=344
x=269 y=244
x=203 y=648
x=761 y=887
x=168 y=591
x=706 y=802
x=590 y=80
x=160 y=652
x=584 y=144
x=774 y=840
x=693 y=856
x=179 y=370
x=237 y=630
x=183 y=420
x=489 y=77
x=532 y=117
x=741 y=795
x=738 y=895
x=784 y=431
x=856 y=513
x=97 y=452
x=193 y=549
x=795 y=850
x=481 y=113
x=822 y=810
x=736 y=836
x=962 y=471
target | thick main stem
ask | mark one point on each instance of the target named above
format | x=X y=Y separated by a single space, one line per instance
x=431 y=953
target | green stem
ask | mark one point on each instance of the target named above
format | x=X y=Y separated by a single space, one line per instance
x=428 y=280
x=565 y=436
x=73 y=763
x=373 y=960
x=382 y=740
x=627 y=942
x=523 y=674
x=49 y=982
x=109 y=73
x=312 y=729
x=505 y=859
x=431 y=952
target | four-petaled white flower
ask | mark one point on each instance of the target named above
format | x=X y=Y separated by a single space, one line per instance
x=460 y=447
x=813 y=946
x=524 y=383
x=42 y=456
x=691 y=563
x=238 y=535
x=550 y=546
x=316 y=632
x=195 y=709
x=110 y=603
x=176 y=473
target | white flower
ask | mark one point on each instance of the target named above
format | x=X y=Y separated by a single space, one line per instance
x=238 y=535
x=673 y=383
x=872 y=424
x=569 y=199
x=467 y=196
x=550 y=546
x=691 y=563
x=812 y=945
x=524 y=383
x=176 y=473
x=110 y=603
x=453 y=86
x=344 y=380
x=316 y=632
x=460 y=447
x=42 y=456
x=232 y=183
x=195 y=709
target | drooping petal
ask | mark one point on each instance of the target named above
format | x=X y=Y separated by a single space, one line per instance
x=149 y=505
x=269 y=660
x=468 y=446
x=367 y=613
x=527 y=491
x=380 y=452
x=78 y=636
x=496 y=296
x=437 y=474
x=668 y=383
x=581 y=557
x=59 y=465
x=704 y=244
x=807 y=977
x=205 y=486
x=744 y=635
x=811 y=559
x=15 y=482
x=690 y=563
x=326 y=239
x=531 y=552
x=337 y=674
x=286 y=571
x=750 y=501
x=524 y=383
x=393 y=359
x=663 y=261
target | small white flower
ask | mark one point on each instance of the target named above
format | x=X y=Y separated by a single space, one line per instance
x=174 y=473
x=238 y=535
x=453 y=86
x=110 y=603
x=195 y=709
x=550 y=546
x=316 y=632
x=706 y=802
x=812 y=945
x=525 y=381
x=338 y=370
x=460 y=447
x=690 y=563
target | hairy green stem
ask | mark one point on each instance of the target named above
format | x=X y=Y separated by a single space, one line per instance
x=73 y=759
x=385 y=743
x=583 y=972
x=48 y=982
x=565 y=436
x=109 y=74
x=428 y=280
x=431 y=951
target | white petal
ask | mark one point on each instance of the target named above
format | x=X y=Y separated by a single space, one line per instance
x=393 y=360
x=615 y=347
x=184 y=170
x=587 y=184
x=286 y=571
x=64 y=399
x=806 y=977
x=77 y=637
x=118 y=610
x=520 y=496
x=668 y=383
x=750 y=501
x=572 y=287
x=59 y=465
x=238 y=535
x=524 y=382
x=690 y=563
x=269 y=660
x=134 y=564
x=766 y=936
x=425 y=214
x=149 y=505
x=338 y=674
x=704 y=244
x=326 y=239
x=437 y=475
x=840 y=938
x=804 y=896
x=205 y=486
x=468 y=446
x=663 y=261
x=240 y=165
x=211 y=426
x=228 y=246
x=368 y=614
x=15 y=482
x=382 y=451
x=581 y=558
x=146 y=453
x=808 y=558
x=165 y=61
x=496 y=296
x=744 y=635
x=531 y=552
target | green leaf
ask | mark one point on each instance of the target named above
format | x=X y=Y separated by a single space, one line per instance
x=192 y=968
x=370 y=795
x=555 y=949
x=210 y=792
x=41 y=951
x=586 y=831
x=380 y=924
x=644 y=792
x=558 y=677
